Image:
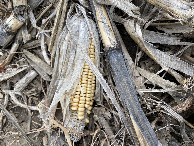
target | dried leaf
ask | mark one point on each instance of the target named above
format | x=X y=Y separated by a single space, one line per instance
x=7 y=75
x=164 y=59
x=40 y=66
x=162 y=38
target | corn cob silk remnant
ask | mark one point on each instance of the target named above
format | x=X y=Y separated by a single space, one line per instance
x=83 y=98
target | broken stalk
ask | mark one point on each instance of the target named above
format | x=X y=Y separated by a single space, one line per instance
x=122 y=78
x=178 y=8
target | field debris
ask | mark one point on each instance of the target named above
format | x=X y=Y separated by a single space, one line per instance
x=96 y=72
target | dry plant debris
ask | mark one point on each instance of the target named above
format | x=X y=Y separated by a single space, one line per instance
x=96 y=72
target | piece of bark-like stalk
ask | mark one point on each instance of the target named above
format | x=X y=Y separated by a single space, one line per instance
x=166 y=60
x=12 y=120
x=59 y=28
x=22 y=83
x=99 y=113
x=40 y=66
x=17 y=3
x=17 y=102
x=15 y=21
x=5 y=103
x=56 y=23
x=123 y=79
x=9 y=27
x=105 y=27
x=13 y=50
x=7 y=75
x=178 y=8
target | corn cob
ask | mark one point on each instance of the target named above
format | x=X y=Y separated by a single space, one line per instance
x=83 y=98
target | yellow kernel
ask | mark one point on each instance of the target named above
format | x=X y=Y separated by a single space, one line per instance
x=78 y=89
x=92 y=56
x=88 y=112
x=74 y=103
x=80 y=113
x=75 y=99
x=81 y=105
x=83 y=94
x=89 y=91
x=84 y=86
x=74 y=108
x=87 y=99
x=77 y=96
x=90 y=73
x=85 y=75
x=84 y=81
x=86 y=106
x=85 y=71
x=89 y=79
x=84 y=91
x=87 y=120
x=81 y=109
x=82 y=98
x=77 y=92
x=86 y=67
x=92 y=45
x=88 y=102
x=92 y=52
x=82 y=101
x=88 y=95
x=89 y=86
x=80 y=117
x=89 y=108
